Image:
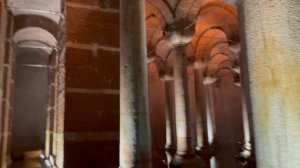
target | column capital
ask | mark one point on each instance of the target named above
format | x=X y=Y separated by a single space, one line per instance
x=209 y=80
x=180 y=32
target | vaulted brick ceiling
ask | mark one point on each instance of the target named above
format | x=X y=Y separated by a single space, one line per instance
x=216 y=30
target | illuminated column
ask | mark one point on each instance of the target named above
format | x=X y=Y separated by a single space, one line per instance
x=246 y=152
x=201 y=122
x=185 y=154
x=170 y=121
x=271 y=44
x=185 y=144
x=135 y=139
x=210 y=112
x=210 y=149
x=178 y=35
x=246 y=125
x=246 y=155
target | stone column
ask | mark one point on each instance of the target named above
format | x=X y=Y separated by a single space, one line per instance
x=185 y=154
x=135 y=139
x=170 y=117
x=183 y=117
x=210 y=112
x=246 y=125
x=271 y=44
x=245 y=155
x=5 y=21
x=210 y=149
x=170 y=121
x=201 y=122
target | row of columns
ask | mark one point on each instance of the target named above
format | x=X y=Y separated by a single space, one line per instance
x=275 y=55
x=135 y=146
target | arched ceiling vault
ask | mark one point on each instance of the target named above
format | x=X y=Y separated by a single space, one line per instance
x=216 y=31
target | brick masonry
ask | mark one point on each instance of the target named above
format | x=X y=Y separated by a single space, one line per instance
x=92 y=84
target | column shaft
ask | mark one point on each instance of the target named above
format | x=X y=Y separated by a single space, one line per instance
x=185 y=144
x=210 y=113
x=170 y=117
x=170 y=122
x=201 y=121
x=272 y=38
x=135 y=139
x=246 y=125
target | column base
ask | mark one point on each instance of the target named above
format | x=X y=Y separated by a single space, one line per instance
x=187 y=161
x=170 y=151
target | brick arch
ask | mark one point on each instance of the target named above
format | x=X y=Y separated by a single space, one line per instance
x=230 y=8
x=164 y=59
x=185 y=7
x=219 y=61
x=162 y=49
x=154 y=32
x=196 y=5
x=206 y=41
x=221 y=47
x=220 y=58
x=222 y=15
x=160 y=11
x=212 y=56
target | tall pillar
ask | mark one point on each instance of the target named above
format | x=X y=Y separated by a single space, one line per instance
x=246 y=153
x=170 y=121
x=246 y=156
x=201 y=122
x=5 y=21
x=170 y=117
x=185 y=155
x=209 y=151
x=185 y=144
x=135 y=139
x=245 y=122
x=272 y=35
x=211 y=130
